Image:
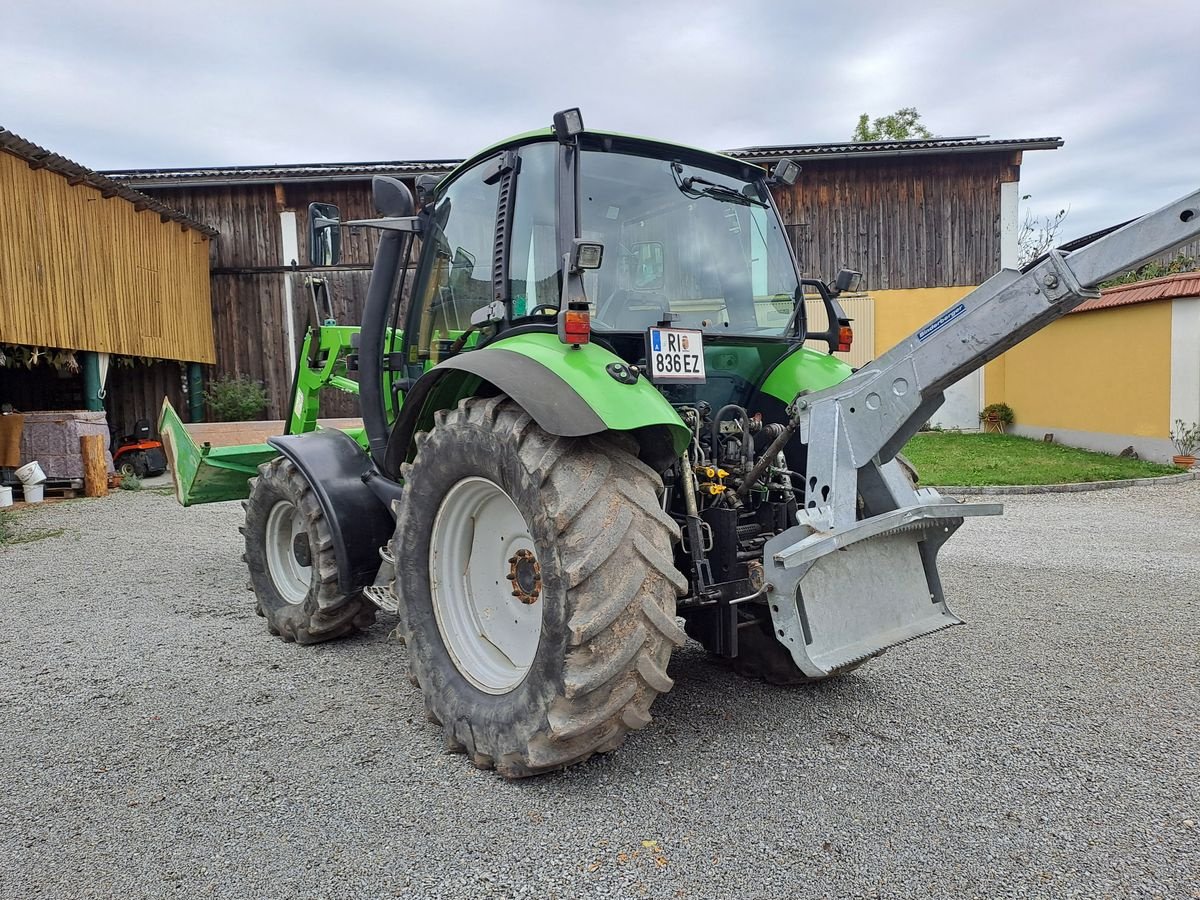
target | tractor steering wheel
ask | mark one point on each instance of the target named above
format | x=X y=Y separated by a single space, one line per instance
x=541 y=306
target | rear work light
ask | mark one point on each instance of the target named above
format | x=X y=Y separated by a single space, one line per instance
x=845 y=338
x=575 y=324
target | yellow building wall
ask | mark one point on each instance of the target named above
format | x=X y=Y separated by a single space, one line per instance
x=83 y=272
x=1106 y=370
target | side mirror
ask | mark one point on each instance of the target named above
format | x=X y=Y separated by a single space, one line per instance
x=847 y=280
x=324 y=234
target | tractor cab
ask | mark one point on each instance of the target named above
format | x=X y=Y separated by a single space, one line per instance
x=674 y=259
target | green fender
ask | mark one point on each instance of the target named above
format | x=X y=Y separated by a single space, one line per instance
x=567 y=390
x=804 y=370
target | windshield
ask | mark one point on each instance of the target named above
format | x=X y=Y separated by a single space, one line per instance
x=686 y=240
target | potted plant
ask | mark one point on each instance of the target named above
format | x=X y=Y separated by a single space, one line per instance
x=995 y=416
x=1186 y=439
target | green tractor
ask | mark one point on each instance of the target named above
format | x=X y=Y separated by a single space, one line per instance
x=596 y=430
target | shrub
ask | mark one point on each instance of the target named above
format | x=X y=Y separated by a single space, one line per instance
x=1001 y=411
x=131 y=483
x=1186 y=438
x=237 y=399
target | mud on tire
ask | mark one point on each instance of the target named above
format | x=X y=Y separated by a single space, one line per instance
x=323 y=613
x=608 y=588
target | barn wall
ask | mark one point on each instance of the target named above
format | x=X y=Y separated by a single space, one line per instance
x=251 y=277
x=904 y=222
x=79 y=271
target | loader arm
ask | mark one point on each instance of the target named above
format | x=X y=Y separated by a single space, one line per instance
x=864 y=583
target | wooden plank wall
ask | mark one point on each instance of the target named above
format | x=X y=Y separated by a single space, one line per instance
x=137 y=393
x=83 y=272
x=249 y=285
x=903 y=222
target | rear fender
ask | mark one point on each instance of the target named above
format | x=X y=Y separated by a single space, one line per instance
x=353 y=496
x=569 y=391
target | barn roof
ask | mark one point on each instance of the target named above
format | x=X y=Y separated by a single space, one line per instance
x=358 y=171
x=921 y=146
x=291 y=172
x=40 y=158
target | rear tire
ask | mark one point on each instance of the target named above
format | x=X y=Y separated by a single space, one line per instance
x=293 y=567
x=587 y=512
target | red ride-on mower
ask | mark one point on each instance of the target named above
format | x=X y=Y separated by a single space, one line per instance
x=137 y=454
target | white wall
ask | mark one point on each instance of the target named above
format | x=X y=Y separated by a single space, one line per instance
x=1185 y=360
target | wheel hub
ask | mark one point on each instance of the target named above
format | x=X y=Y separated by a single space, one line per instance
x=485 y=581
x=288 y=552
x=301 y=551
x=525 y=573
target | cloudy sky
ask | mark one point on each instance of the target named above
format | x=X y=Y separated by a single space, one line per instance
x=159 y=84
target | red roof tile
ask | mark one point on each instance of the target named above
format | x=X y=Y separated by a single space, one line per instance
x=1168 y=287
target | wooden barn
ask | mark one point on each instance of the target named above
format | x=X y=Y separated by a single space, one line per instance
x=925 y=221
x=105 y=305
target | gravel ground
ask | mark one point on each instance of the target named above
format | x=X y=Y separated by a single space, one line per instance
x=159 y=743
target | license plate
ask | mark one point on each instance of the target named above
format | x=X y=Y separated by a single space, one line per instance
x=675 y=355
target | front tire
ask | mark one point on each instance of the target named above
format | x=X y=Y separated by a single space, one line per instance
x=293 y=567
x=565 y=538
x=134 y=464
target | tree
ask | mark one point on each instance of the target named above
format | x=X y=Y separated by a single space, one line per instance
x=1036 y=236
x=902 y=125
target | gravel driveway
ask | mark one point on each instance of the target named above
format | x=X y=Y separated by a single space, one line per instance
x=157 y=742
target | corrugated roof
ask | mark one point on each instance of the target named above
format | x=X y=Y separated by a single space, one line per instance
x=969 y=144
x=40 y=158
x=1168 y=287
x=357 y=171
x=307 y=172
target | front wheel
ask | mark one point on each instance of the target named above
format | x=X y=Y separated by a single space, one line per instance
x=537 y=588
x=134 y=464
x=293 y=567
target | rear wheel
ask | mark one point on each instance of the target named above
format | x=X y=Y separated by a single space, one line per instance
x=537 y=588
x=293 y=567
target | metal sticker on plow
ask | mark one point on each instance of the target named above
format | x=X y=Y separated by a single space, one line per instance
x=941 y=321
x=675 y=355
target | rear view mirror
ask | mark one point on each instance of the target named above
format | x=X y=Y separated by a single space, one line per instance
x=324 y=234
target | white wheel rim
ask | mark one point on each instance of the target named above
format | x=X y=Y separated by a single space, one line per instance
x=492 y=636
x=290 y=576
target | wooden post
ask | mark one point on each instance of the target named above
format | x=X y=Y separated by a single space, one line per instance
x=95 y=472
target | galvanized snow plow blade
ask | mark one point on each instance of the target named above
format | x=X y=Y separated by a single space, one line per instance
x=858 y=573
x=866 y=587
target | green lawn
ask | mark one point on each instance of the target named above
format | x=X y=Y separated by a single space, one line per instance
x=981 y=459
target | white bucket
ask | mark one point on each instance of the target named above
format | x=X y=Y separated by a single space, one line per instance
x=5 y=496
x=31 y=473
x=33 y=493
